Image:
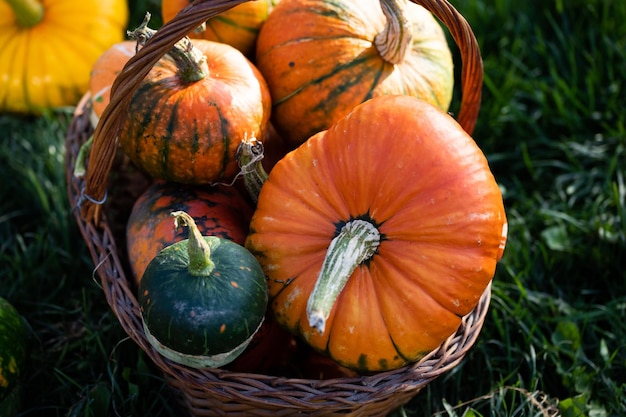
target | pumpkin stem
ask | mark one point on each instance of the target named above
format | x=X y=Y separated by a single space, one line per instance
x=190 y=61
x=357 y=242
x=249 y=155
x=395 y=40
x=28 y=13
x=142 y=33
x=200 y=263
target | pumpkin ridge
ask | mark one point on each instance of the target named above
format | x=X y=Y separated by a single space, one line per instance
x=337 y=11
x=234 y=24
x=67 y=35
x=382 y=362
x=352 y=79
x=195 y=142
x=418 y=280
x=164 y=148
x=35 y=51
x=135 y=144
x=424 y=293
x=226 y=140
x=377 y=79
x=21 y=49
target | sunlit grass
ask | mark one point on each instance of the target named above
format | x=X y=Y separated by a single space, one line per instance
x=552 y=126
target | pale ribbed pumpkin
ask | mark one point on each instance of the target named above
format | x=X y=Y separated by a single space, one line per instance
x=321 y=58
x=378 y=235
x=47 y=49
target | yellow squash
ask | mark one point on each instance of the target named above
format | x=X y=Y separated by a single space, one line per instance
x=47 y=49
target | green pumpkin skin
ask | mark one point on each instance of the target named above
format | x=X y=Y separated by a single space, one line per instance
x=13 y=340
x=203 y=321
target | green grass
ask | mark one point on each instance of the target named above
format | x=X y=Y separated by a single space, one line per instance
x=553 y=127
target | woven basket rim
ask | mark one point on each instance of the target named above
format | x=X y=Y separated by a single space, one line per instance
x=256 y=390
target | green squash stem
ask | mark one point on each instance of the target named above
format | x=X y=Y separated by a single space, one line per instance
x=80 y=167
x=249 y=155
x=28 y=13
x=190 y=61
x=394 y=42
x=356 y=243
x=200 y=263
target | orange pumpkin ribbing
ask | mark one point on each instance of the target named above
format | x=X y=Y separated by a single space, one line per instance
x=411 y=170
x=188 y=132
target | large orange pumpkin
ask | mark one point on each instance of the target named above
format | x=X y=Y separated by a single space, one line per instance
x=189 y=114
x=321 y=58
x=378 y=235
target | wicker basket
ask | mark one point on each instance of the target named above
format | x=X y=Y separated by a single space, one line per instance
x=219 y=392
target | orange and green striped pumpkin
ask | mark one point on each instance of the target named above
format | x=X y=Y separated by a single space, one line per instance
x=321 y=58
x=189 y=114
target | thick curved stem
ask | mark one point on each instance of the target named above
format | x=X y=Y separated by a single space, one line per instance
x=190 y=61
x=200 y=263
x=27 y=12
x=395 y=40
x=249 y=155
x=357 y=242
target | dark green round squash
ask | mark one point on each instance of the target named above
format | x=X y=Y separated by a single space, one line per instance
x=202 y=299
x=13 y=340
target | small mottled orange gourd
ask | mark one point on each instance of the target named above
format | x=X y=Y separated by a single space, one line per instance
x=103 y=74
x=189 y=114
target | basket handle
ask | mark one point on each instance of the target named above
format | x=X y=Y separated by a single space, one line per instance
x=112 y=119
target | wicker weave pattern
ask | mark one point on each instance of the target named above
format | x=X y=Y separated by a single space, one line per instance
x=218 y=392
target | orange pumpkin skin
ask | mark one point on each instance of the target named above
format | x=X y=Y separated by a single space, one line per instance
x=410 y=170
x=188 y=132
x=325 y=62
x=219 y=211
x=103 y=74
x=238 y=27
